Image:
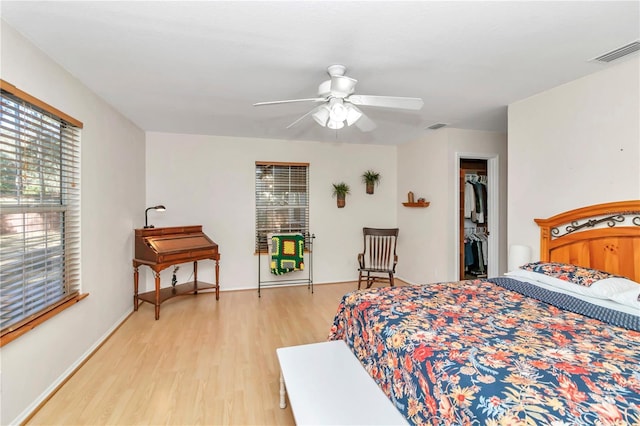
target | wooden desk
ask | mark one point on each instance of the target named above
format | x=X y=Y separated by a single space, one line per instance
x=160 y=248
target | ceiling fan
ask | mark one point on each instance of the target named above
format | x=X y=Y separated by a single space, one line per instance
x=338 y=103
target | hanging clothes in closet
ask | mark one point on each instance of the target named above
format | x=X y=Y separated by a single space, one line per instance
x=474 y=223
x=475 y=251
x=475 y=198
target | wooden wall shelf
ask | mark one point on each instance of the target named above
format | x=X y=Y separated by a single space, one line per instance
x=424 y=204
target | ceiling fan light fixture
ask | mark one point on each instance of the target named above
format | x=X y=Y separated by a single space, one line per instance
x=353 y=114
x=335 y=125
x=321 y=116
x=338 y=110
x=338 y=103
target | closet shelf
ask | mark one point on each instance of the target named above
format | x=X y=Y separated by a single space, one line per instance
x=423 y=204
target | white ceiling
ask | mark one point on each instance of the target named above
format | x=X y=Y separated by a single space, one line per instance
x=197 y=67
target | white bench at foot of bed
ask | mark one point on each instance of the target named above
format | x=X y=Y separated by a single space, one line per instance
x=327 y=385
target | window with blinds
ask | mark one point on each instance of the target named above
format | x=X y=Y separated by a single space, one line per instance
x=282 y=200
x=39 y=210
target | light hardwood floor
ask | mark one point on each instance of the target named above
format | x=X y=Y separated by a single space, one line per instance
x=203 y=362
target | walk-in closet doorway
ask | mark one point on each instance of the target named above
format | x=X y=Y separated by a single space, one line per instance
x=477 y=222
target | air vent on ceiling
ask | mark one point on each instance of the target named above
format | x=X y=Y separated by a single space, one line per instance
x=619 y=52
x=435 y=126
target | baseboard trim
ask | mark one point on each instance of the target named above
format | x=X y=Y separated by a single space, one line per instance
x=407 y=281
x=45 y=396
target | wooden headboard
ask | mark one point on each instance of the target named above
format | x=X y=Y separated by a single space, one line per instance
x=602 y=236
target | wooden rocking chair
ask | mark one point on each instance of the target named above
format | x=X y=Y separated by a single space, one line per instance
x=378 y=260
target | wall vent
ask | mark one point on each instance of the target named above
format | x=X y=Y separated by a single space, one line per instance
x=435 y=126
x=619 y=52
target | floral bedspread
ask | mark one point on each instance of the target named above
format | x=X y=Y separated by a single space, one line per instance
x=472 y=352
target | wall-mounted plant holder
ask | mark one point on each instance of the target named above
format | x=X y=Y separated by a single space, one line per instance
x=370 y=178
x=340 y=191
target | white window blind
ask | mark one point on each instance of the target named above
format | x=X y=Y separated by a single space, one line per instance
x=39 y=211
x=282 y=200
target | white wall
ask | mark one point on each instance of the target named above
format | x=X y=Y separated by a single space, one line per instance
x=572 y=146
x=112 y=191
x=428 y=167
x=210 y=181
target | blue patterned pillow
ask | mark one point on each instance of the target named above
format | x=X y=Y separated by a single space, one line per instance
x=570 y=273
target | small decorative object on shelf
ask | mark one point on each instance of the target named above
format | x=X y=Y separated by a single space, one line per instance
x=412 y=203
x=340 y=191
x=370 y=178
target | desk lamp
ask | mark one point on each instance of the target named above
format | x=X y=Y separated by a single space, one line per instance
x=159 y=208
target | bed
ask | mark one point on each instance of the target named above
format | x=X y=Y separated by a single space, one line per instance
x=554 y=342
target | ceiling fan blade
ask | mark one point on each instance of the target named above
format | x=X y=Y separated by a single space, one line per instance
x=365 y=124
x=301 y=118
x=386 y=101
x=290 y=101
x=342 y=86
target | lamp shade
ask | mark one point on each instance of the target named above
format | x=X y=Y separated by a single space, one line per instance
x=335 y=125
x=338 y=112
x=518 y=256
x=353 y=114
x=321 y=116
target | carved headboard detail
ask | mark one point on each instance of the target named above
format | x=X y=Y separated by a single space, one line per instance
x=603 y=236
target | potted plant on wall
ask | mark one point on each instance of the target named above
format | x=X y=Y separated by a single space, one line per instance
x=340 y=191
x=371 y=179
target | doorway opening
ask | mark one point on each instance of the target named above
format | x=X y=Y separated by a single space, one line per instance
x=477 y=224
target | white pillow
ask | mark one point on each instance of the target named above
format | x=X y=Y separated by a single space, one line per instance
x=628 y=298
x=602 y=289
x=614 y=286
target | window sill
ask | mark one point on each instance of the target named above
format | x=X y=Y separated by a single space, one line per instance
x=17 y=330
